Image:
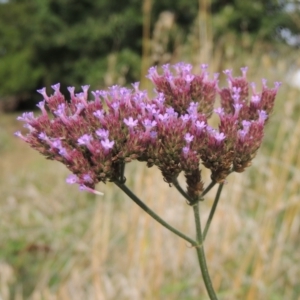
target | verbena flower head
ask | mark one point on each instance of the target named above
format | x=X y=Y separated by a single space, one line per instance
x=170 y=130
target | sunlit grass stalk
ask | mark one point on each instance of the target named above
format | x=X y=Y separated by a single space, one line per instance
x=147 y=7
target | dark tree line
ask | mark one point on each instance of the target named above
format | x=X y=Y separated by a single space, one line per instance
x=46 y=41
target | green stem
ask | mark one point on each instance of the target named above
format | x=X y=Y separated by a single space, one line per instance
x=201 y=255
x=213 y=209
x=142 y=205
x=122 y=178
x=186 y=196
x=209 y=187
x=181 y=190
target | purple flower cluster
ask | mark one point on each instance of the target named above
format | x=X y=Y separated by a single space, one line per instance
x=170 y=130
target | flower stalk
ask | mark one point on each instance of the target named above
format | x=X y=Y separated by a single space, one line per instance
x=201 y=255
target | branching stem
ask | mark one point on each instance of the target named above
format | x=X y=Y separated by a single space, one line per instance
x=182 y=191
x=150 y=212
x=213 y=209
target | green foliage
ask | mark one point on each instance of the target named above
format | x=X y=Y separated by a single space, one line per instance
x=72 y=42
x=80 y=42
x=66 y=41
x=259 y=19
x=75 y=37
x=17 y=71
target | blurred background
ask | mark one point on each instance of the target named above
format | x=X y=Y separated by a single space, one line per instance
x=59 y=243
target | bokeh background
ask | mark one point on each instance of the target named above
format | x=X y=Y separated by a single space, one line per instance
x=59 y=243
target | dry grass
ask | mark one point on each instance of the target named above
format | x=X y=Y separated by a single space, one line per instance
x=58 y=243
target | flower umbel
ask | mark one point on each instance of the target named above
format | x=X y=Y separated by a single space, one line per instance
x=118 y=126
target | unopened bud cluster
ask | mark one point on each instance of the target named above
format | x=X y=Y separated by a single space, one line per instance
x=170 y=130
